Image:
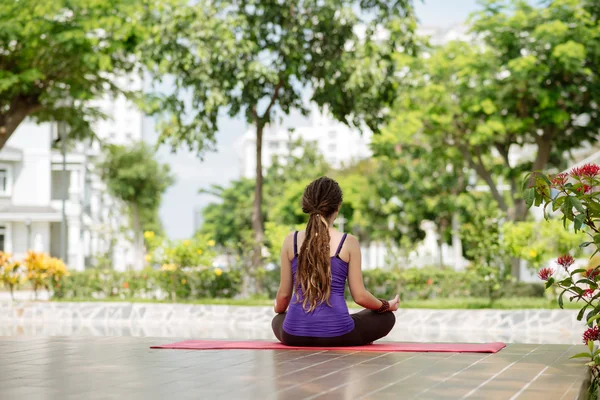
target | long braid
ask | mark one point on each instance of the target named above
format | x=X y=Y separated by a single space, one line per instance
x=321 y=200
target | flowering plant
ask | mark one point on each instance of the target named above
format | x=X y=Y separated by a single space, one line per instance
x=573 y=194
x=10 y=273
x=43 y=271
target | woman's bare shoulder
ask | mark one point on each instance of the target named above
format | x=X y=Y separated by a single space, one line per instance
x=352 y=241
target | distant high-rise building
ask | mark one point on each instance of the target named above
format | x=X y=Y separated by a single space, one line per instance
x=338 y=143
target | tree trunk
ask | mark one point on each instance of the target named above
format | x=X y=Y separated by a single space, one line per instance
x=138 y=238
x=440 y=240
x=10 y=121
x=456 y=242
x=543 y=154
x=257 y=217
x=478 y=166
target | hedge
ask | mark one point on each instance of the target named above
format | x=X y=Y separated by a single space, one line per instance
x=411 y=284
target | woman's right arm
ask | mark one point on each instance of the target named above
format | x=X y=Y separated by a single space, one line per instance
x=360 y=295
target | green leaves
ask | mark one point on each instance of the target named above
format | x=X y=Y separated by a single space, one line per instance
x=249 y=61
x=61 y=52
x=593 y=318
x=133 y=175
x=582 y=355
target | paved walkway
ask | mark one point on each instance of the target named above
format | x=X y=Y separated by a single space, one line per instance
x=125 y=368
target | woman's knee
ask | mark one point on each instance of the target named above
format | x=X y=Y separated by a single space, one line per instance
x=388 y=322
x=391 y=319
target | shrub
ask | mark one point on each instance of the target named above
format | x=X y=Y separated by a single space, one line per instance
x=574 y=195
x=44 y=272
x=193 y=283
x=10 y=273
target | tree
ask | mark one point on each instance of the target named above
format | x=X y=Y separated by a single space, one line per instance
x=529 y=83
x=415 y=184
x=133 y=175
x=532 y=82
x=58 y=55
x=254 y=58
x=229 y=221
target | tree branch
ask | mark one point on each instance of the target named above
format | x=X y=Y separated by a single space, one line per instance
x=274 y=98
x=485 y=175
x=20 y=109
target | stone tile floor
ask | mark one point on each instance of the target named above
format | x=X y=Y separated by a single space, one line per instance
x=125 y=368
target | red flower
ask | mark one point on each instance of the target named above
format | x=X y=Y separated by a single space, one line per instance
x=588 y=171
x=588 y=293
x=592 y=334
x=545 y=273
x=584 y=189
x=126 y=285
x=565 y=261
x=430 y=281
x=591 y=273
x=560 y=179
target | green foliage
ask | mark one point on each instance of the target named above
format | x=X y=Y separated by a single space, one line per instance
x=484 y=245
x=195 y=252
x=229 y=221
x=434 y=282
x=59 y=55
x=575 y=196
x=537 y=243
x=413 y=284
x=151 y=284
x=413 y=184
x=133 y=175
x=535 y=75
x=275 y=235
x=254 y=60
x=265 y=52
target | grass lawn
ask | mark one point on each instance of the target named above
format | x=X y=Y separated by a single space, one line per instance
x=439 y=304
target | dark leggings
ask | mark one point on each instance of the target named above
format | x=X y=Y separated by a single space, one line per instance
x=368 y=327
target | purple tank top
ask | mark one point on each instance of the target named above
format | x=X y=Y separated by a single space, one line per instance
x=323 y=321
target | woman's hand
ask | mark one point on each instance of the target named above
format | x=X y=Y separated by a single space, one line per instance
x=394 y=303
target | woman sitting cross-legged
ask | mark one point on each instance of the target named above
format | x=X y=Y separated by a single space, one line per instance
x=314 y=266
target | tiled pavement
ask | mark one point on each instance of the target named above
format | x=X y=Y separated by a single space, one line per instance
x=125 y=368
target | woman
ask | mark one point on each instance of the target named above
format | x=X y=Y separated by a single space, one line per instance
x=318 y=315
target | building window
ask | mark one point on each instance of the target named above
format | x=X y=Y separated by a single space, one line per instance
x=332 y=147
x=2 y=237
x=3 y=181
x=332 y=134
x=273 y=145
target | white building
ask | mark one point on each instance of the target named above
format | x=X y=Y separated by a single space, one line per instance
x=338 y=143
x=33 y=186
x=439 y=35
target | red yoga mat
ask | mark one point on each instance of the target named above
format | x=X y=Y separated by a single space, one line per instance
x=377 y=347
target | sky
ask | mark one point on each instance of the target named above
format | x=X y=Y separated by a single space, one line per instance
x=182 y=199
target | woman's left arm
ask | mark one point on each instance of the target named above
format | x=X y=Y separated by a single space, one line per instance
x=284 y=294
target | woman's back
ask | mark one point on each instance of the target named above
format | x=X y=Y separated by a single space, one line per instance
x=326 y=320
x=313 y=281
